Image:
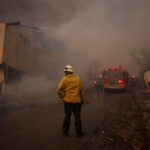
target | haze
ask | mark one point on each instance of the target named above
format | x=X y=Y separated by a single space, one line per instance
x=102 y=31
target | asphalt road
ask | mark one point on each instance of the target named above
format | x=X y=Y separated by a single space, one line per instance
x=106 y=125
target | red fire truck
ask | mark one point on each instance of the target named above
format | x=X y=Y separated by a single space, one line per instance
x=115 y=78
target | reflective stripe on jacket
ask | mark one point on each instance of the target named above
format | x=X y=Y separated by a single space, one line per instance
x=70 y=89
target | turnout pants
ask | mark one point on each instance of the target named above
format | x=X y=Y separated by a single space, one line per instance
x=76 y=109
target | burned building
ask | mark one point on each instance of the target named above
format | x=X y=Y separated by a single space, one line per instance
x=27 y=50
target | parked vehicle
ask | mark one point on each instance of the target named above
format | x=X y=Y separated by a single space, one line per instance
x=115 y=78
x=132 y=81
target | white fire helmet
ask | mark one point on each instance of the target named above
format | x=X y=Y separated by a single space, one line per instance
x=68 y=68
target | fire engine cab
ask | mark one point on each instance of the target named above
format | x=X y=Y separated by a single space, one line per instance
x=115 y=78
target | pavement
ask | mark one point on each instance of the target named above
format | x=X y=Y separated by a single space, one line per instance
x=111 y=121
x=144 y=101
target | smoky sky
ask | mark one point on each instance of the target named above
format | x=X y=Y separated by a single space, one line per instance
x=109 y=30
x=38 y=12
x=102 y=30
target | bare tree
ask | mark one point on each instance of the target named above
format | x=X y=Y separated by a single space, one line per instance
x=142 y=59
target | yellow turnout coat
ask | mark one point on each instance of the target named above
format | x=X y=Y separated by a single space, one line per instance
x=70 y=89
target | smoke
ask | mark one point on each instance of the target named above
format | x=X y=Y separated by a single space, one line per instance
x=91 y=31
x=32 y=89
x=38 y=84
x=108 y=31
x=103 y=30
x=38 y=12
x=141 y=58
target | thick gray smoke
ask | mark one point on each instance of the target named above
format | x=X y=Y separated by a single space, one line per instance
x=91 y=30
x=97 y=29
x=38 y=12
x=109 y=30
x=141 y=58
x=38 y=83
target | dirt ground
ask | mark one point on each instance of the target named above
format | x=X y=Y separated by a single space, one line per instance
x=111 y=121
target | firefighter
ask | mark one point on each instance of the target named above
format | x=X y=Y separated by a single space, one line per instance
x=70 y=90
x=98 y=84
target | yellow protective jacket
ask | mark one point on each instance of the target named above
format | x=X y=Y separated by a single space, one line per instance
x=70 y=89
